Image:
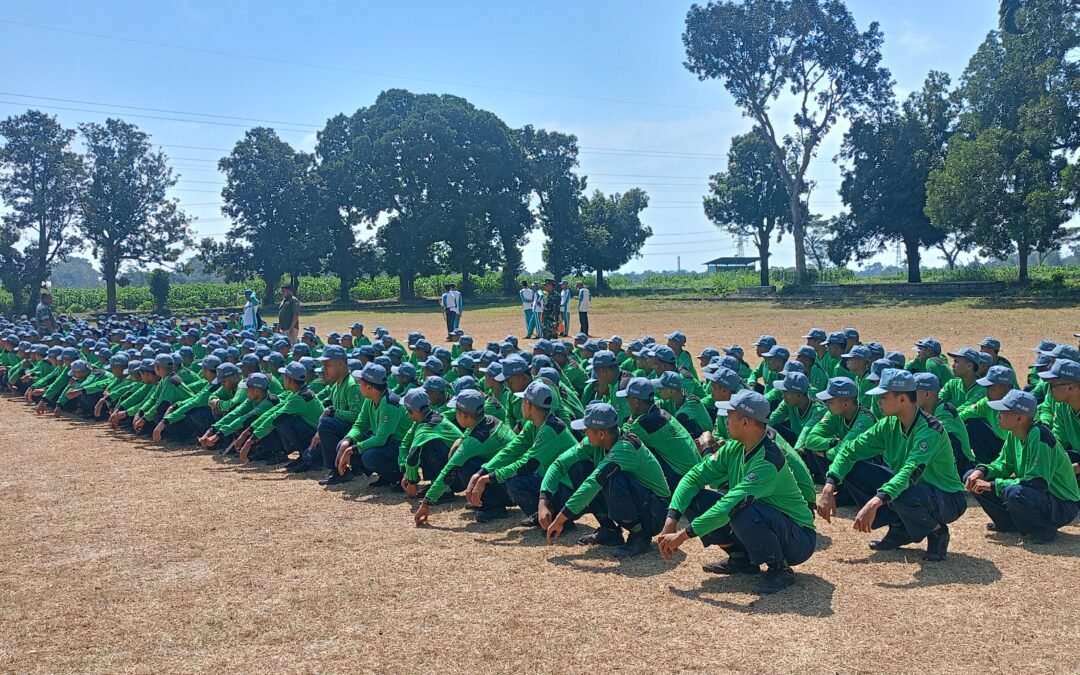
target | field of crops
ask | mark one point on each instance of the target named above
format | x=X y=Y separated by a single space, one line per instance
x=194 y=296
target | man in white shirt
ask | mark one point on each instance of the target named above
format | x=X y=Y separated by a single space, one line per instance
x=451 y=309
x=583 y=297
x=526 y=296
x=460 y=306
x=564 y=306
x=537 y=307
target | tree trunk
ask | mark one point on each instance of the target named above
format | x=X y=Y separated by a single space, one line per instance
x=270 y=288
x=600 y=283
x=1022 y=258
x=110 y=289
x=466 y=284
x=405 y=286
x=763 y=256
x=798 y=231
x=343 y=289
x=914 y=271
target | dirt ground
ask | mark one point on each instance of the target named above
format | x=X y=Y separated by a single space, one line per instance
x=119 y=556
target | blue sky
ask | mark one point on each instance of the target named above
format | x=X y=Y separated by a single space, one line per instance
x=609 y=72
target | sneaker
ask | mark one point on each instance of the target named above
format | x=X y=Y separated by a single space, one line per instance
x=893 y=539
x=733 y=565
x=530 y=521
x=637 y=544
x=937 y=544
x=603 y=537
x=298 y=465
x=336 y=478
x=491 y=514
x=776 y=578
x=380 y=482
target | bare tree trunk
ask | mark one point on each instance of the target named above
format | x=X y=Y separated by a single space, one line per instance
x=1022 y=258
x=763 y=256
x=798 y=231
x=914 y=271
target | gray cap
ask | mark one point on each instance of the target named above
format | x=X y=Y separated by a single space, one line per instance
x=816 y=334
x=1064 y=370
x=927 y=382
x=893 y=379
x=726 y=378
x=638 y=387
x=469 y=401
x=967 y=353
x=295 y=371
x=606 y=359
x=164 y=361
x=1017 y=401
x=794 y=382
x=777 y=352
x=877 y=367
x=538 y=394
x=806 y=352
x=998 y=375
x=434 y=365
x=434 y=383
x=513 y=365
x=226 y=370
x=372 y=373
x=839 y=387
x=837 y=338
x=764 y=341
x=1067 y=352
x=598 y=415
x=747 y=402
x=677 y=336
x=210 y=363
x=858 y=352
x=669 y=380
x=79 y=366
x=992 y=343
x=406 y=370
x=334 y=353
x=258 y=381
x=737 y=350
x=416 y=399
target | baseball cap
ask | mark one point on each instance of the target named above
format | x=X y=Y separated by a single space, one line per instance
x=877 y=367
x=550 y=374
x=1017 y=401
x=372 y=373
x=511 y=366
x=538 y=394
x=334 y=353
x=668 y=380
x=816 y=334
x=606 y=359
x=777 y=352
x=708 y=353
x=226 y=370
x=598 y=415
x=463 y=383
x=858 y=352
x=1063 y=369
x=851 y=334
x=464 y=361
x=1045 y=346
x=258 y=381
x=998 y=375
x=967 y=353
x=839 y=387
x=416 y=399
x=665 y=354
x=794 y=382
x=764 y=341
x=295 y=371
x=469 y=401
x=927 y=382
x=893 y=379
x=1067 y=352
x=726 y=378
x=406 y=370
x=746 y=402
x=163 y=361
x=422 y=344
x=992 y=343
x=638 y=387
x=837 y=338
x=877 y=351
x=79 y=366
x=929 y=343
x=677 y=336
x=433 y=364
x=735 y=350
x=434 y=383
x=806 y=352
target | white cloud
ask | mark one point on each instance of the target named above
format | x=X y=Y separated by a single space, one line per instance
x=916 y=41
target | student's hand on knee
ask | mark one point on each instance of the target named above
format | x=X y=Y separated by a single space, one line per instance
x=982 y=486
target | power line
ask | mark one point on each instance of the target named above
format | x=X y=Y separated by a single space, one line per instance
x=343 y=69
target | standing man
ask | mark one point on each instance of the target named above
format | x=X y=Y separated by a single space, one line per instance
x=460 y=306
x=451 y=308
x=250 y=319
x=289 y=314
x=526 y=297
x=583 y=298
x=564 y=306
x=551 y=312
x=44 y=314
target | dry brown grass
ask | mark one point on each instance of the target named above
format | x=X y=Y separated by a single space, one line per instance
x=116 y=555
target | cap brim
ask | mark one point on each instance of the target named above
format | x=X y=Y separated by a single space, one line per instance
x=984 y=382
x=499 y=378
x=824 y=396
x=998 y=405
x=876 y=391
x=519 y=394
x=622 y=393
x=779 y=385
x=578 y=425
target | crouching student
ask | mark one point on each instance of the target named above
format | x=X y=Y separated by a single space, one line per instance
x=227 y=394
x=761 y=518
x=1030 y=488
x=169 y=391
x=626 y=489
x=384 y=417
x=688 y=409
x=668 y=440
x=191 y=418
x=915 y=491
x=484 y=435
x=257 y=400
x=845 y=420
x=519 y=468
x=796 y=411
x=427 y=445
x=927 y=388
x=289 y=425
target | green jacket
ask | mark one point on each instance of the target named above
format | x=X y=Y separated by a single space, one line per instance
x=551 y=439
x=482 y=441
x=666 y=438
x=955 y=427
x=693 y=416
x=936 y=365
x=240 y=416
x=345 y=399
x=832 y=430
x=1037 y=462
x=386 y=420
x=434 y=427
x=201 y=399
x=797 y=420
x=981 y=410
x=303 y=404
x=954 y=392
x=761 y=474
x=629 y=455
x=921 y=455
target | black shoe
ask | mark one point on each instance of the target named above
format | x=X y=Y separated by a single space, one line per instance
x=530 y=521
x=492 y=514
x=893 y=539
x=937 y=544
x=380 y=482
x=637 y=544
x=298 y=466
x=733 y=565
x=276 y=458
x=603 y=537
x=776 y=578
x=335 y=478
x=1041 y=536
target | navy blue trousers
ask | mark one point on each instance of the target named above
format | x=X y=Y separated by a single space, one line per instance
x=918 y=510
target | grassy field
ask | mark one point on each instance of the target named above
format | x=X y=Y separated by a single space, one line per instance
x=119 y=556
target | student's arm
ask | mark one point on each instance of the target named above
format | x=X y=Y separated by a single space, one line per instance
x=870 y=443
x=924 y=447
x=709 y=471
x=526 y=463
x=561 y=466
x=823 y=436
x=759 y=481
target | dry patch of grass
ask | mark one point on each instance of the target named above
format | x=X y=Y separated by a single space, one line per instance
x=119 y=556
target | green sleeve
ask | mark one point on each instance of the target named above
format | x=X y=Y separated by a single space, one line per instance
x=1038 y=465
x=779 y=415
x=709 y=471
x=354 y=404
x=55 y=388
x=558 y=470
x=1045 y=413
x=200 y=400
x=238 y=398
x=621 y=456
x=543 y=439
x=924 y=446
x=514 y=449
x=468 y=449
x=759 y=482
x=136 y=398
x=1003 y=467
x=387 y=419
x=973 y=410
x=870 y=443
x=412 y=470
x=99 y=384
x=820 y=437
x=264 y=423
x=234 y=420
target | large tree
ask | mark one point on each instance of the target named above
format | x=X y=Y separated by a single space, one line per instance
x=810 y=49
x=271 y=196
x=552 y=162
x=750 y=199
x=1005 y=180
x=889 y=158
x=612 y=232
x=40 y=181
x=126 y=214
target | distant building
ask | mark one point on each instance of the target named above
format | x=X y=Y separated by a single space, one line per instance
x=731 y=263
